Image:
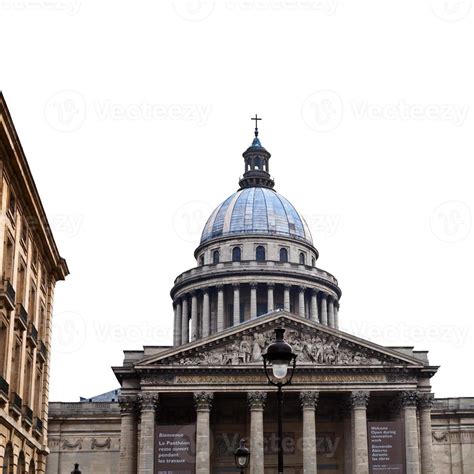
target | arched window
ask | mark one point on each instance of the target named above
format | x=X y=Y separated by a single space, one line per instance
x=8 y=460
x=313 y=262
x=260 y=253
x=283 y=255
x=236 y=254
x=21 y=468
x=201 y=260
x=302 y=259
x=215 y=257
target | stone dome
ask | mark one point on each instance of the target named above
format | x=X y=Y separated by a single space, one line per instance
x=256 y=211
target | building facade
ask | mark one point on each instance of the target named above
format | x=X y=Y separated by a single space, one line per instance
x=353 y=406
x=30 y=267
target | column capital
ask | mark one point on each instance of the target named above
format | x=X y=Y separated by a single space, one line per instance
x=287 y=286
x=271 y=285
x=324 y=295
x=309 y=399
x=314 y=291
x=236 y=286
x=257 y=400
x=128 y=404
x=425 y=400
x=148 y=401
x=301 y=288
x=220 y=287
x=205 y=290
x=203 y=400
x=359 y=399
x=253 y=284
x=408 y=398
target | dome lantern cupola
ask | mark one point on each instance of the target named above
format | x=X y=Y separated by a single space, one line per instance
x=257 y=164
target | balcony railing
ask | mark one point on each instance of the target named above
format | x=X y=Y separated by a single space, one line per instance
x=27 y=415
x=7 y=293
x=21 y=317
x=16 y=404
x=32 y=335
x=38 y=426
x=42 y=352
x=4 y=390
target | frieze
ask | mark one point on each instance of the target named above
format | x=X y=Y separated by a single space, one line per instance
x=220 y=379
x=96 y=444
x=316 y=348
x=69 y=445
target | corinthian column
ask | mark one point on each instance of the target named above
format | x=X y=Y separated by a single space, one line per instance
x=270 y=301
x=253 y=300
x=286 y=298
x=206 y=313
x=257 y=404
x=309 y=401
x=425 y=403
x=128 y=435
x=177 y=323
x=301 y=310
x=185 y=322
x=324 y=309
x=236 y=287
x=220 y=308
x=408 y=401
x=314 y=306
x=331 y=313
x=203 y=403
x=360 y=452
x=149 y=403
x=194 y=316
x=336 y=315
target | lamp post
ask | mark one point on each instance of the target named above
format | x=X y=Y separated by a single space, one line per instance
x=76 y=469
x=242 y=456
x=279 y=358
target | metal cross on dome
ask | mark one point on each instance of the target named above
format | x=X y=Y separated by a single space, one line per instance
x=256 y=123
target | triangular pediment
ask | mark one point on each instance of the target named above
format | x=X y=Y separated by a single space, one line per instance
x=314 y=344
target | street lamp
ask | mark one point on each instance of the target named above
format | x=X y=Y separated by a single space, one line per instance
x=279 y=358
x=76 y=469
x=242 y=456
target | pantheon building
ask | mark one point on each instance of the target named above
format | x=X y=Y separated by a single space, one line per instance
x=353 y=406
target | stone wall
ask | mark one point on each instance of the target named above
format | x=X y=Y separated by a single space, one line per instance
x=85 y=433
x=89 y=434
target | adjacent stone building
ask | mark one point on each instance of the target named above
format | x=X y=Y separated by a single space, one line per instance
x=30 y=267
x=352 y=404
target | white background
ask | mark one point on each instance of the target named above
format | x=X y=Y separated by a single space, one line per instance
x=134 y=115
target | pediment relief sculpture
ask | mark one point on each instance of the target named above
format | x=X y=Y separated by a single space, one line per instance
x=313 y=347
